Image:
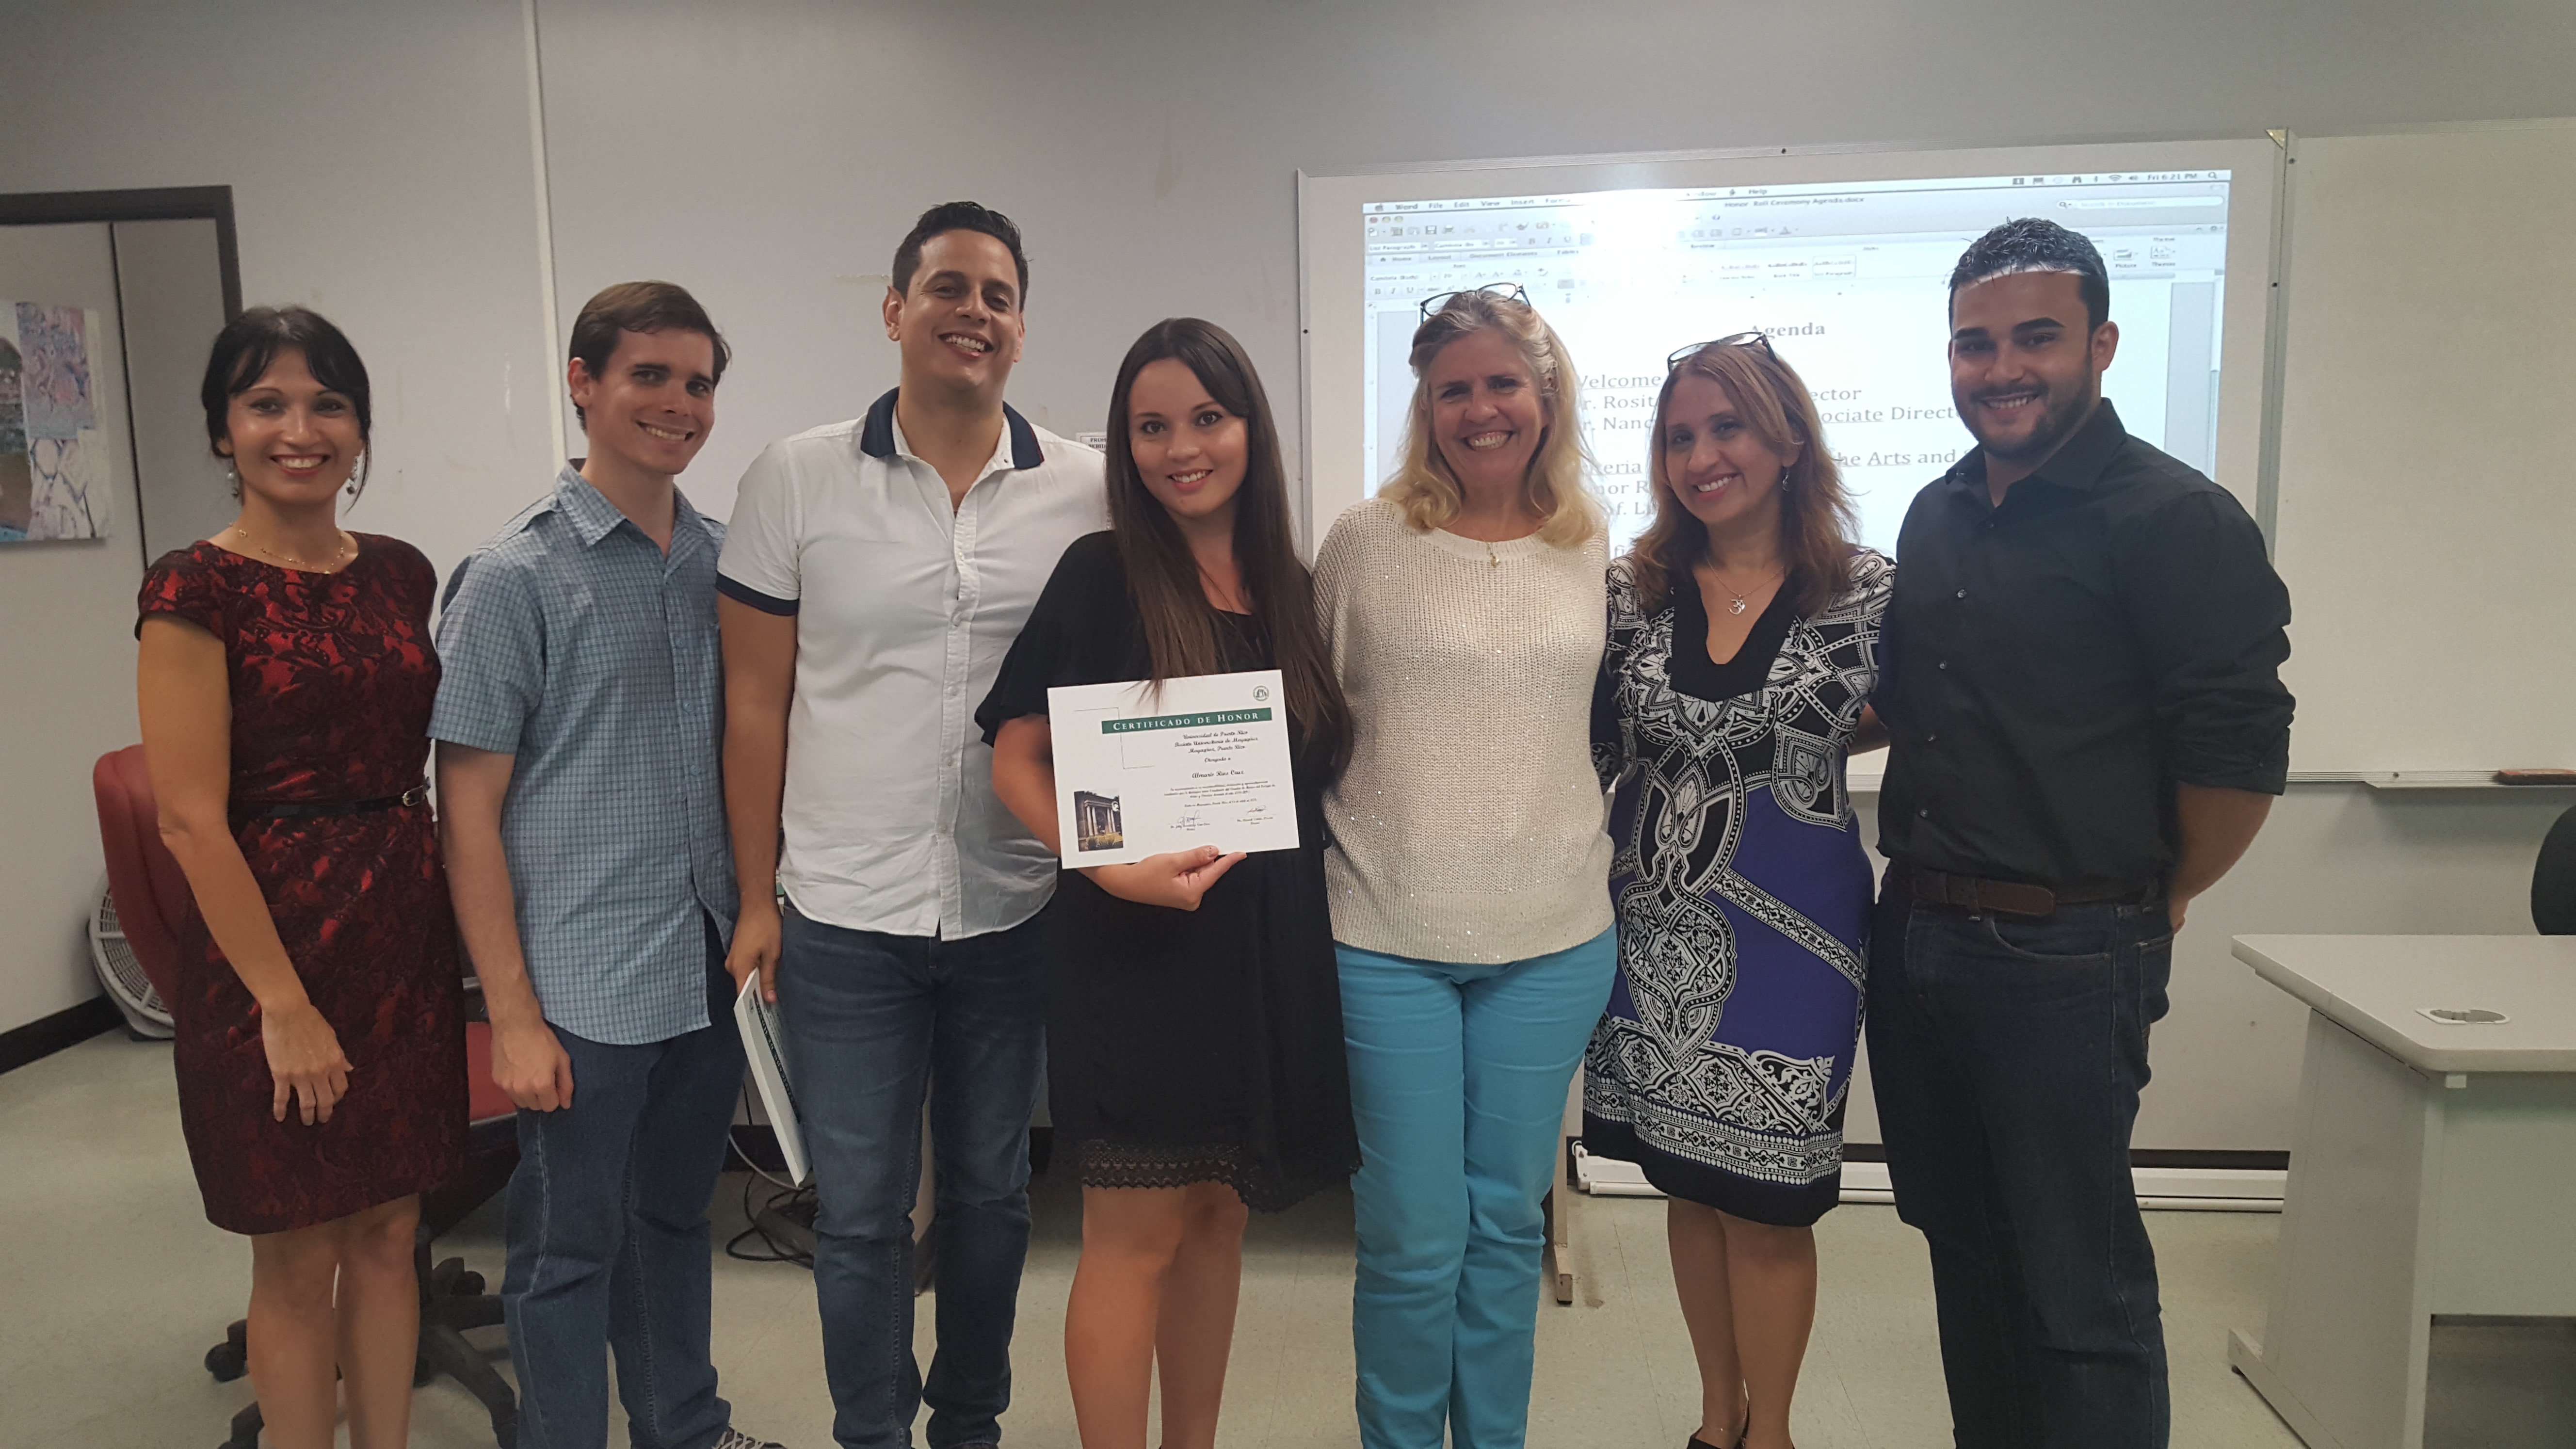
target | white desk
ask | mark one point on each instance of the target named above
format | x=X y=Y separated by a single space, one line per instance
x=2433 y=1170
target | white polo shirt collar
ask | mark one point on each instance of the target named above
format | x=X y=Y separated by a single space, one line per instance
x=880 y=436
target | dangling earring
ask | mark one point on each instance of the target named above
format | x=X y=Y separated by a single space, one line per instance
x=357 y=474
x=232 y=478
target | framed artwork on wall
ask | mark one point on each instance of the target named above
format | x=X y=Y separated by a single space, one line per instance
x=54 y=475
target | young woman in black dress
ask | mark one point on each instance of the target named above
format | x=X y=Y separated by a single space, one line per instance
x=1194 y=1023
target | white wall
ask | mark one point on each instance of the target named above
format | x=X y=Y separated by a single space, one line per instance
x=382 y=172
x=769 y=155
x=169 y=275
x=1148 y=150
x=66 y=661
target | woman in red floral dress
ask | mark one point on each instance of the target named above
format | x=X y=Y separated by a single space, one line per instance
x=285 y=684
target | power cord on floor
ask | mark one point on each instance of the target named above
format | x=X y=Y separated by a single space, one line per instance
x=784 y=1222
x=792 y=1204
x=786 y=1204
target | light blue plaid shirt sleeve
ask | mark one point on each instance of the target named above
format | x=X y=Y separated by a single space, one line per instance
x=491 y=655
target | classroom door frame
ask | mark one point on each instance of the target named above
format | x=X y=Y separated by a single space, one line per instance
x=154 y=203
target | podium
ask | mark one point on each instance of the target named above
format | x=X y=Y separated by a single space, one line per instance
x=2432 y=1170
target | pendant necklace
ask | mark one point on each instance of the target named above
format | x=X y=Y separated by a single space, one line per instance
x=290 y=560
x=1493 y=560
x=1739 y=605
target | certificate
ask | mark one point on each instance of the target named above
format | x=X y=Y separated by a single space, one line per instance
x=1201 y=761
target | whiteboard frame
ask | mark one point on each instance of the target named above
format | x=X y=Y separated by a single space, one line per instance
x=1329 y=260
x=2403 y=751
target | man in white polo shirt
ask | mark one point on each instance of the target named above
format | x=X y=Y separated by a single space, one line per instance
x=874 y=574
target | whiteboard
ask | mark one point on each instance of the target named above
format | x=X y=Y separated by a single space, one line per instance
x=2427 y=501
x=1332 y=221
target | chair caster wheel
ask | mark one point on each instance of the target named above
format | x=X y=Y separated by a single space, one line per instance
x=230 y=1359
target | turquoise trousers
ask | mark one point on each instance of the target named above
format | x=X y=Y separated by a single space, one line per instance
x=1458 y=1078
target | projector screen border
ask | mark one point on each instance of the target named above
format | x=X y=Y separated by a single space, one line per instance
x=1329 y=265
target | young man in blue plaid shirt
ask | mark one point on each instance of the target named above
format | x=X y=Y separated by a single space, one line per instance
x=579 y=724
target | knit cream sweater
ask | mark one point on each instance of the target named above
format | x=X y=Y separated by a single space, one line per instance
x=1468 y=826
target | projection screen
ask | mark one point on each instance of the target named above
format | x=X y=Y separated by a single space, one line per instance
x=1841 y=258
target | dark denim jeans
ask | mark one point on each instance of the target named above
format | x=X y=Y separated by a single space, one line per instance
x=608 y=1241
x=871 y=1021
x=2007 y=1053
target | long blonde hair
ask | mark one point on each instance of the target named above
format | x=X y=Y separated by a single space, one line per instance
x=1557 y=486
x=1817 y=519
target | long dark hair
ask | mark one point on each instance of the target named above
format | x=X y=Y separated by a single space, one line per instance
x=1163 y=577
x=1817 y=519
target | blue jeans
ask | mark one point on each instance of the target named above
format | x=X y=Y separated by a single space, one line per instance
x=871 y=1021
x=1458 y=1078
x=608 y=1242
x=2007 y=1053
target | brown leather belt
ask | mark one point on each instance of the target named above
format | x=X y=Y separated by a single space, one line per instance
x=2006 y=897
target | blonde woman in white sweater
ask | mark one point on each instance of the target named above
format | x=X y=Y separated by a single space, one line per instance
x=1469 y=872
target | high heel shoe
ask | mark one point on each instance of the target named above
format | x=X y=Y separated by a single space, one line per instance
x=1696 y=1442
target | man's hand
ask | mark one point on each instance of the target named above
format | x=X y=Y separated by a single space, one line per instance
x=530 y=1065
x=755 y=948
x=1178 y=879
x=527 y=1062
x=2216 y=825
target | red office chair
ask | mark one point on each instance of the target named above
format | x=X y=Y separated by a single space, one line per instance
x=151 y=897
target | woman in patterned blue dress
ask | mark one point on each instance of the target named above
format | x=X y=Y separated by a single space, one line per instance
x=1743 y=649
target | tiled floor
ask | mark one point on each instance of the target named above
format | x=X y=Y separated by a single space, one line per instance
x=112 y=1285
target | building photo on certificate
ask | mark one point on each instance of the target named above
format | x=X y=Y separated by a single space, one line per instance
x=1096 y=823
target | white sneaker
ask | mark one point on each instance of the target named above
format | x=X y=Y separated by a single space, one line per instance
x=733 y=1438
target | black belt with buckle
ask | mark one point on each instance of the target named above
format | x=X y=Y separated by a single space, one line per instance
x=2005 y=897
x=309 y=809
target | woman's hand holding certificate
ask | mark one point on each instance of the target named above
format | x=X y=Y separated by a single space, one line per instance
x=1178 y=879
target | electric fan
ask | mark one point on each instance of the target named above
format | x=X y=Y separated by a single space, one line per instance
x=122 y=975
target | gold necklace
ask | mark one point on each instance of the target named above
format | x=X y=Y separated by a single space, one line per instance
x=1739 y=606
x=338 y=552
x=1493 y=560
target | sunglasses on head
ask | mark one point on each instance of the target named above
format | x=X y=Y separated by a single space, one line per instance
x=1732 y=339
x=1501 y=291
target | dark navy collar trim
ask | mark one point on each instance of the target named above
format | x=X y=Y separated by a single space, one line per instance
x=876 y=435
x=1025 y=452
x=876 y=438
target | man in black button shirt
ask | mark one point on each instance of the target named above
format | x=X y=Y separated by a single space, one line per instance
x=2081 y=683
